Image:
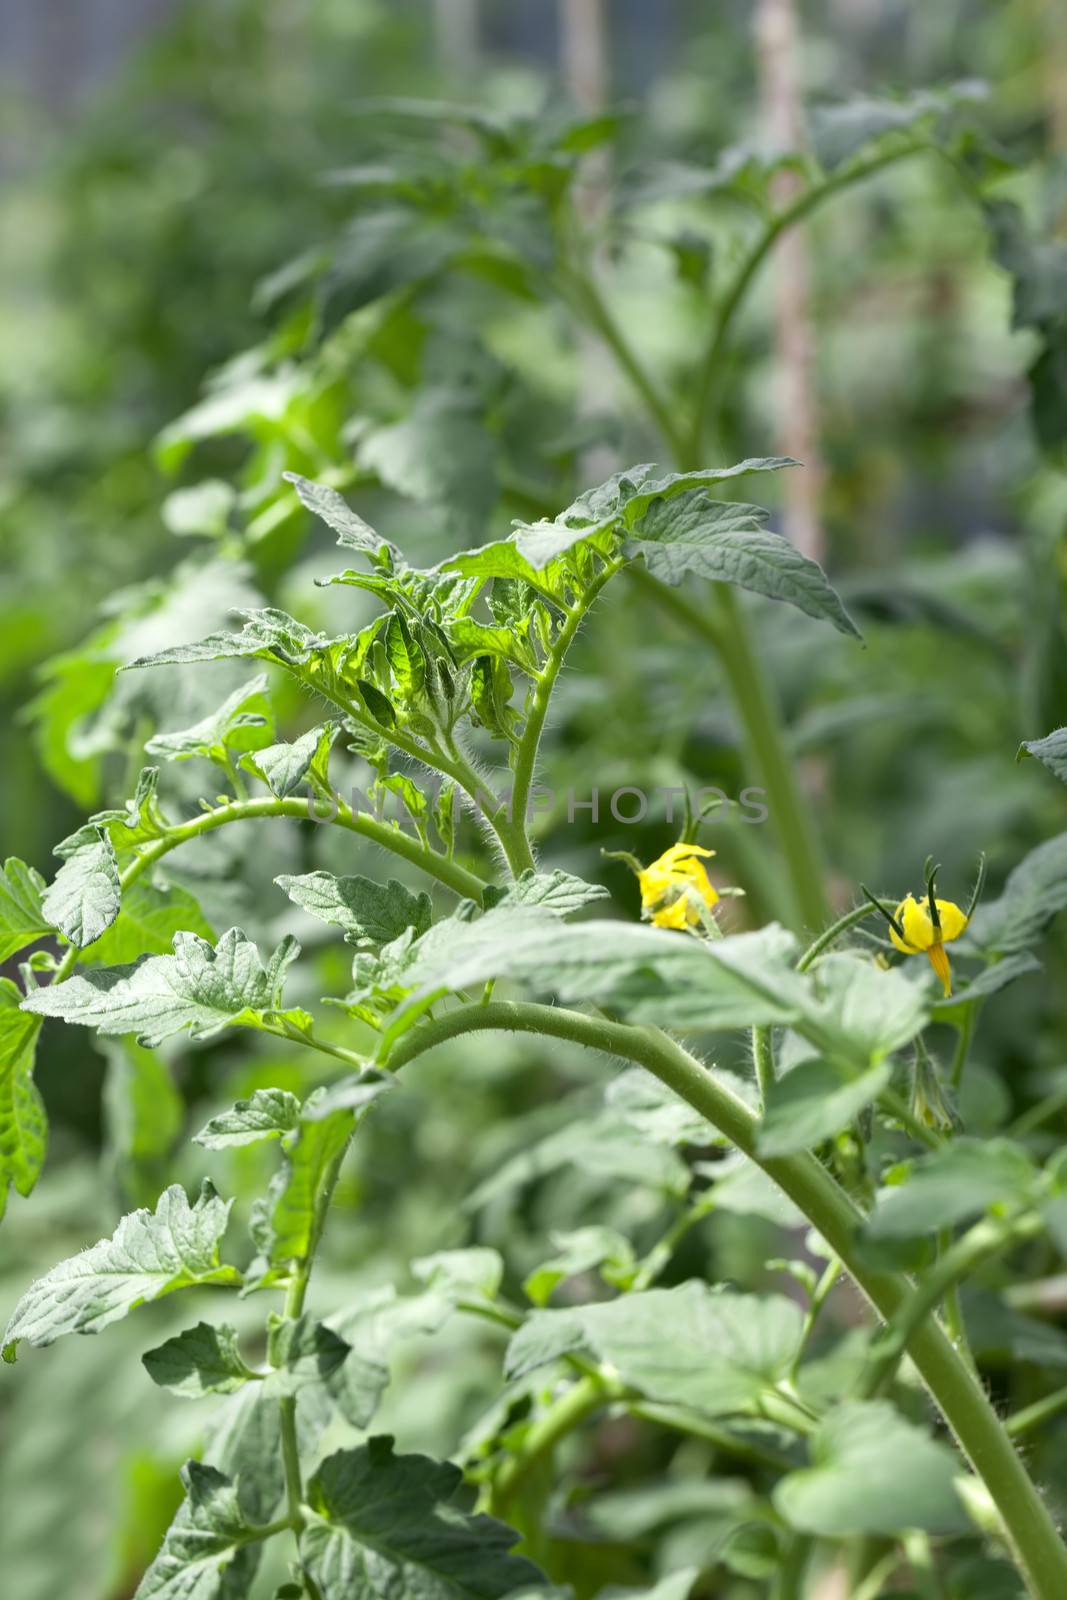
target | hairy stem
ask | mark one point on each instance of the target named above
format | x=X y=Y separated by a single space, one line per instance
x=295 y=1295
x=763 y=1057
x=445 y=870
x=832 y=934
x=1039 y=1553
x=529 y=743
x=499 y=814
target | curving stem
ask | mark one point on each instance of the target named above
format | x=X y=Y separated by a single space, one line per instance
x=1038 y=1551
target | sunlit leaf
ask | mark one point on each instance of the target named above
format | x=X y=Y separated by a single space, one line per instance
x=150 y=1254
x=23 y=1123
x=22 y=918
x=83 y=899
x=200 y=987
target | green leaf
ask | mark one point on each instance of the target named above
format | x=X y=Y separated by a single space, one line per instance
x=376 y=1321
x=458 y=1274
x=242 y=722
x=951 y=1185
x=76 y=686
x=533 y=550
x=659 y=1115
x=200 y=987
x=306 y=1352
x=728 y=543
x=201 y=1542
x=865 y=1011
x=395 y=1524
x=440 y=455
x=813 y=1102
x=580 y=1252
x=135 y=822
x=355 y=1093
x=269 y=634
x=873 y=1473
x=1036 y=891
x=284 y=1222
x=559 y=892
x=604 y=1148
x=202 y=1360
x=267 y=1112
x=370 y=913
x=745 y=1190
x=502 y=560
x=83 y=900
x=648 y=973
x=1050 y=751
x=351 y=530
x=22 y=918
x=377 y=705
x=491 y=688
x=23 y=1124
x=628 y=494
x=407 y=660
x=724 y=1350
x=841 y=133
x=283 y=767
x=150 y=1254
x=996 y=976
x=146 y=924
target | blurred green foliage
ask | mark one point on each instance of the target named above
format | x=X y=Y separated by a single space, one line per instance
x=406 y=331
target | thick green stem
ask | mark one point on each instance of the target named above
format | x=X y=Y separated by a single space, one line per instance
x=1038 y=1550
x=951 y=1305
x=445 y=870
x=294 y=1485
x=498 y=814
x=295 y=1295
x=564 y=1415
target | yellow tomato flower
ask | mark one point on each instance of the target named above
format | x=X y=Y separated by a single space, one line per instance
x=676 y=891
x=922 y=934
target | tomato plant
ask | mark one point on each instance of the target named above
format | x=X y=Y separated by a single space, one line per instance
x=405 y=779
